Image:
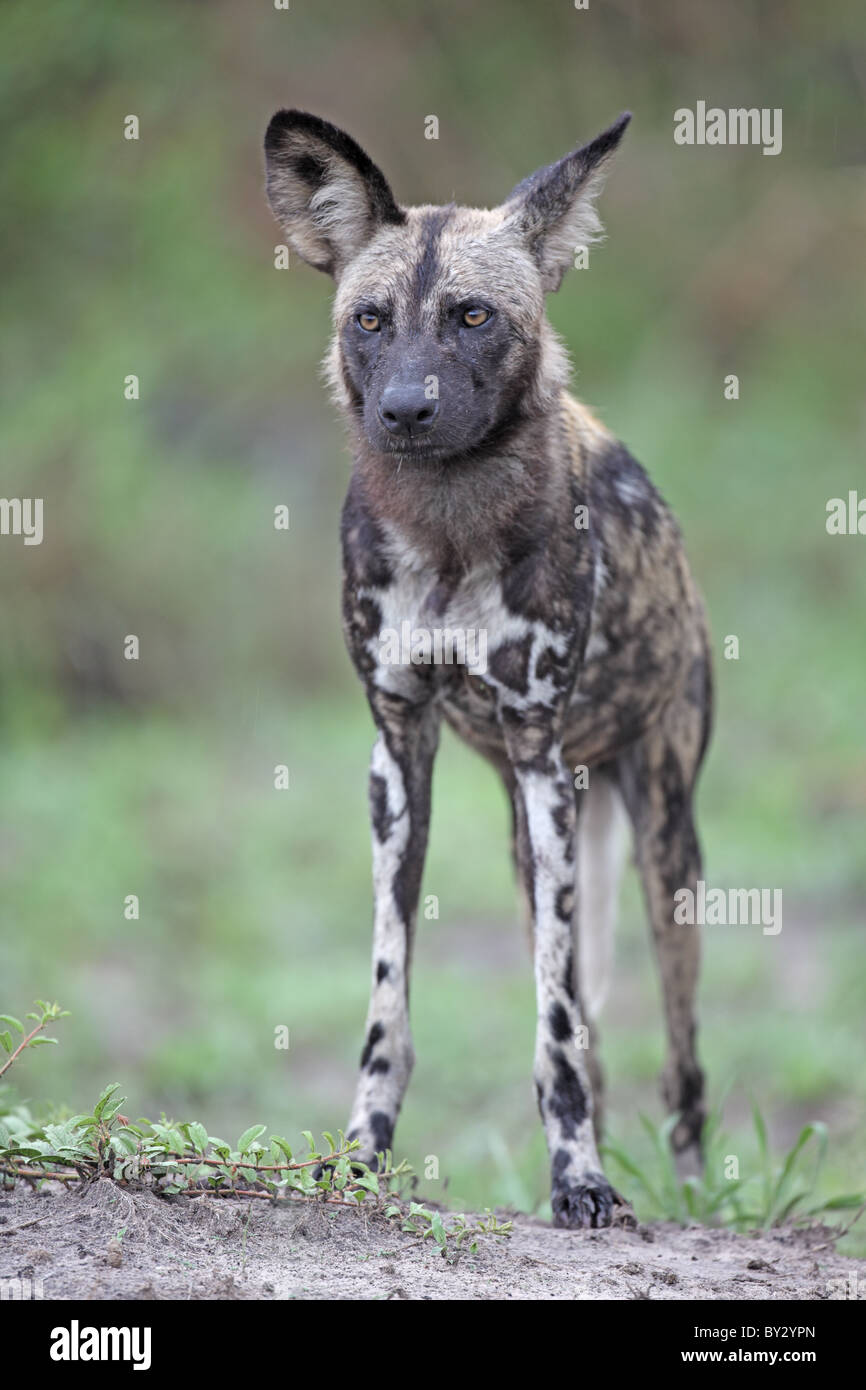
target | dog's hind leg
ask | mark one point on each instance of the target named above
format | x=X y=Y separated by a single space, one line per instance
x=602 y=840
x=656 y=777
x=521 y=851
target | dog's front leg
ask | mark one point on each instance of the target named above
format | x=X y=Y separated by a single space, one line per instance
x=400 y=773
x=580 y=1194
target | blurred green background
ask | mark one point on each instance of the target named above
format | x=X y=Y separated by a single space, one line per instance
x=155 y=777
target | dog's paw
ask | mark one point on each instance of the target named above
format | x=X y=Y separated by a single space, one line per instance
x=357 y=1164
x=359 y=1159
x=375 y=1141
x=588 y=1201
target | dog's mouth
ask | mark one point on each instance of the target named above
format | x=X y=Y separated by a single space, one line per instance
x=441 y=446
x=423 y=449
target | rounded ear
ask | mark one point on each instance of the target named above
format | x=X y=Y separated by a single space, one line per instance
x=554 y=209
x=325 y=192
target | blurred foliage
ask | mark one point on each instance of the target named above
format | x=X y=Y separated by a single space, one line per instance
x=156 y=777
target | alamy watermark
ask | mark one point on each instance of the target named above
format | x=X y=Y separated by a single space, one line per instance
x=846 y=516
x=22 y=516
x=737 y=126
x=16 y=1290
x=77 y=1343
x=425 y=646
x=732 y=907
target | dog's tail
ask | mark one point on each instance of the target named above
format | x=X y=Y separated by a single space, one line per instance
x=601 y=845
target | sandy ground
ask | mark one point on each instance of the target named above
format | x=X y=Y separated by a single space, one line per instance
x=209 y=1249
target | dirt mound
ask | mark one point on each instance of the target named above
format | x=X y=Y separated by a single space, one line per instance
x=106 y=1243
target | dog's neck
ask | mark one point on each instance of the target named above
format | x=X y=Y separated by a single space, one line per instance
x=490 y=506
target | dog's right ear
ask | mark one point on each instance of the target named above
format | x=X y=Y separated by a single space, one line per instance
x=325 y=192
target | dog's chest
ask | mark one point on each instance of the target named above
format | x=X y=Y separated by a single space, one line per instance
x=460 y=636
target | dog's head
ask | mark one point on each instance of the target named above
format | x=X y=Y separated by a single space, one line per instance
x=439 y=311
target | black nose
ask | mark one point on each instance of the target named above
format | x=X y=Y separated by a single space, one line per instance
x=407 y=410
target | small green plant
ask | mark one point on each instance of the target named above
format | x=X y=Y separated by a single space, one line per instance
x=783 y=1190
x=430 y=1224
x=181 y=1159
x=48 y=1013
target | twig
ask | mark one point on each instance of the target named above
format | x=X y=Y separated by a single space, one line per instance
x=10 y=1230
x=265 y=1196
x=23 y=1043
x=262 y=1167
x=39 y=1173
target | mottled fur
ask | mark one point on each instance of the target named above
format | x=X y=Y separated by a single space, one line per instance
x=466 y=515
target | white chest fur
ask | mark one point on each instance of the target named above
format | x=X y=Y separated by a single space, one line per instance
x=425 y=623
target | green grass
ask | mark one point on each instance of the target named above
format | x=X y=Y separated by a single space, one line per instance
x=770 y=1192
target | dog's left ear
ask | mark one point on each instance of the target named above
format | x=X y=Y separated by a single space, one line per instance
x=328 y=195
x=554 y=209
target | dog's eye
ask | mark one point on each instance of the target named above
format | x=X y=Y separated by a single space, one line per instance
x=369 y=322
x=473 y=318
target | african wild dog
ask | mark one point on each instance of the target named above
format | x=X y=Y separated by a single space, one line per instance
x=474 y=470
